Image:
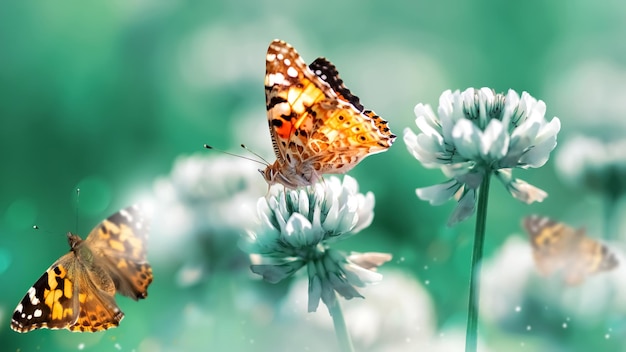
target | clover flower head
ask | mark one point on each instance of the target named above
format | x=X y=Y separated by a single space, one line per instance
x=478 y=132
x=297 y=228
x=596 y=164
x=202 y=204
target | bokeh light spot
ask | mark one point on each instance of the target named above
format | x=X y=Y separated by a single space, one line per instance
x=20 y=214
x=5 y=259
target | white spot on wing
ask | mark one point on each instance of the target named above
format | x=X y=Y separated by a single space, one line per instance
x=276 y=78
x=270 y=57
x=126 y=215
x=32 y=296
x=37 y=313
x=287 y=62
x=19 y=308
x=292 y=72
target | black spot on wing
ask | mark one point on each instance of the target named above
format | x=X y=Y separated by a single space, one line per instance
x=325 y=70
x=275 y=101
x=25 y=319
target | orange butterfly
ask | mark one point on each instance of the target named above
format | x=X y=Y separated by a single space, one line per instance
x=558 y=248
x=77 y=291
x=317 y=125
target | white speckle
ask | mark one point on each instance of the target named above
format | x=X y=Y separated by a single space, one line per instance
x=37 y=313
x=117 y=346
x=564 y=325
x=19 y=308
x=518 y=309
x=287 y=62
x=292 y=72
x=32 y=296
x=407 y=340
x=276 y=78
x=279 y=56
x=270 y=57
x=81 y=346
x=427 y=282
x=402 y=259
x=425 y=267
x=126 y=215
x=528 y=328
x=607 y=336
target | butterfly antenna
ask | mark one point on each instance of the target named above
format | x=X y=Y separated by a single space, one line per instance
x=76 y=210
x=37 y=228
x=263 y=162
x=255 y=154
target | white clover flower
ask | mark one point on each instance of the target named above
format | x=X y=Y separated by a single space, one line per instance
x=595 y=164
x=200 y=211
x=297 y=227
x=479 y=132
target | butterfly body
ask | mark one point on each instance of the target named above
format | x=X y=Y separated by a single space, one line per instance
x=77 y=291
x=558 y=248
x=317 y=125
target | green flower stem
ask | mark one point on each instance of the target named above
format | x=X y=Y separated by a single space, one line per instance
x=341 y=330
x=471 y=336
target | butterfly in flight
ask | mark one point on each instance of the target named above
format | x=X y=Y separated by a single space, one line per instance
x=77 y=291
x=317 y=125
x=558 y=248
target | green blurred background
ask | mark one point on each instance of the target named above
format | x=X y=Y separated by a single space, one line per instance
x=106 y=96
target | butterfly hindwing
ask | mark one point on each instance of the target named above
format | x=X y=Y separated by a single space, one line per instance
x=119 y=245
x=77 y=291
x=558 y=248
x=317 y=125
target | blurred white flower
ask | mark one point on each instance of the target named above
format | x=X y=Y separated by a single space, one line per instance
x=479 y=132
x=201 y=209
x=504 y=279
x=297 y=227
x=513 y=292
x=396 y=316
x=400 y=309
x=595 y=164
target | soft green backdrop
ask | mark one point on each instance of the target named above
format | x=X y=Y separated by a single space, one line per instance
x=104 y=96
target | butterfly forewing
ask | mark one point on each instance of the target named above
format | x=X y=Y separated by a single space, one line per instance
x=119 y=245
x=317 y=125
x=77 y=291
x=558 y=248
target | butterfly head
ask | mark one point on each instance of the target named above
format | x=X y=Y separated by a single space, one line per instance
x=290 y=177
x=73 y=240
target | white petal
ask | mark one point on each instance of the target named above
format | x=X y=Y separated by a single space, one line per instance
x=467 y=139
x=439 y=194
x=299 y=232
x=495 y=142
x=465 y=207
x=545 y=142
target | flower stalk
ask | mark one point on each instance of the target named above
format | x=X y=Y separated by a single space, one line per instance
x=341 y=329
x=471 y=336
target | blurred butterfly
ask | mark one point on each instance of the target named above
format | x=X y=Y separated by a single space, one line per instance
x=558 y=248
x=77 y=291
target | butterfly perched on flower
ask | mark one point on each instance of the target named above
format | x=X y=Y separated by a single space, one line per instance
x=317 y=125
x=558 y=248
x=77 y=291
